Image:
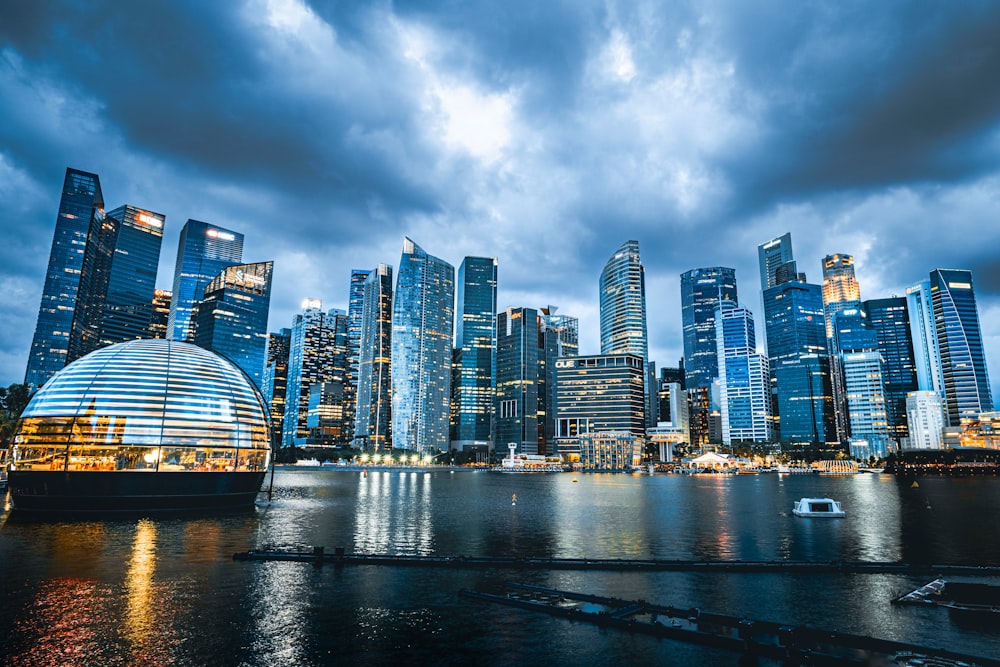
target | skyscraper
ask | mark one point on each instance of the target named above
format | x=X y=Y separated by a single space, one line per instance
x=422 y=330
x=311 y=360
x=231 y=318
x=161 y=311
x=520 y=374
x=923 y=336
x=275 y=382
x=373 y=412
x=840 y=292
x=744 y=376
x=600 y=393
x=701 y=292
x=203 y=251
x=623 y=308
x=925 y=420
x=117 y=280
x=326 y=415
x=81 y=202
x=771 y=256
x=860 y=364
x=475 y=354
x=891 y=323
x=355 y=312
x=960 y=343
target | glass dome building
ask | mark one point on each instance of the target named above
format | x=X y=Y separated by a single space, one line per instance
x=142 y=425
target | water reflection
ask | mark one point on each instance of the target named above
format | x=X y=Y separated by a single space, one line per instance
x=139 y=616
x=394 y=513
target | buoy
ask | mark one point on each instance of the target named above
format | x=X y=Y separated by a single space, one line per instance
x=513 y=499
x=574 y=480
x=364 y=473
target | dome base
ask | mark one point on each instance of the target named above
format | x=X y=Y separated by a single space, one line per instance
x=132 y=491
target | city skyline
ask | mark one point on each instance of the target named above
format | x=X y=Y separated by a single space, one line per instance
x=670 y=127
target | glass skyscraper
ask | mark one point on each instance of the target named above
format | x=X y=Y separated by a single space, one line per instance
x=423 y=319
x=373 y=412
x=701 y=292
x=923 y=335
x=203 y=251
x=860 y=366
x=311 y=360
x=745 y=400
x=117 y=280
x=840 y=287
x=960 y=343
x=232 y=317
x=276 y=381
x=771 y=256
x=81 y=202
x=475 y=354
x=355 y=311
x=520 y=374
x=889 y=319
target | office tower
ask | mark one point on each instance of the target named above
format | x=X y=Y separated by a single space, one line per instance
x=311 y=360
x=923 y=336
x=326 y=416
x=701 y=291
x=800 y=365
x=276 y=381
x=564 y=329
x=475 y=354
x=355 y=312
x=891 y=323
x=231 y=317
x=203 y=251
x=860 y=364
x=117 y=280
x=960 y=344
x=925 y=420
x=623 y=308
x=80 y=203
x=840 y=287
x=422 y=330
x=771 y=256
x=744 y=377
x=559 y=337
x=373 y=412
x=160 y=314
x=520 y=374
x=600 y=393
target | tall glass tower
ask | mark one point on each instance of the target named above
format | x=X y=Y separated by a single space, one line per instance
x=475 y=354
x=519 y=378
x=960 y=342
x=744 y=376
x=840 y=287
x=232 y=318
x=860 y=366
x=423 y=317
x=355 y=311
x=311 y=360
x=117 y=280
x=81 y=202
x=203 y=251
x=771 y=256
x=889 y=319
x=373 y=411
x=923 y=335
x=701 y=292
x=276 y=381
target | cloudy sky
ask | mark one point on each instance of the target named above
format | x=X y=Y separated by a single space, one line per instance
x=542 y=133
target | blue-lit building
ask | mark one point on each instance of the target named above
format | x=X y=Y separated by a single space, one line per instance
x=923 y=335
x=701 y=292
x=771 y=257
x=80 y=203
x=203 y=251
x=965 y=383
x=860 y=365
x=355 y=311
x=474 y=360
x=890 y=320
x=373 y=409
x=744 y=377
x=623 y=309
x=423 y=317
x=275 y=382
x=599 y=394
x=312 y=359
x=231 y=319
x=520 y=396
x=117 y=280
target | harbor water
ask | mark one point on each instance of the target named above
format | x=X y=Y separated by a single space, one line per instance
x=166 y=591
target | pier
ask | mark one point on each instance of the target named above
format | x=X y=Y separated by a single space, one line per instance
x=319 y=556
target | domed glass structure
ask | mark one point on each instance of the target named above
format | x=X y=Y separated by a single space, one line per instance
x=142 y=424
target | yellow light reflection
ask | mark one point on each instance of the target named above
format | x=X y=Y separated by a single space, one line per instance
x=140 y=620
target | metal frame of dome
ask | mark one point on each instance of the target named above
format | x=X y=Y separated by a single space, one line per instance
x=138 y=426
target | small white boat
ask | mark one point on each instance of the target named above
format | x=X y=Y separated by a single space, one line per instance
x=818 y=507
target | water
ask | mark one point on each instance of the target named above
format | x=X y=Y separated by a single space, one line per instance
x=167 y=592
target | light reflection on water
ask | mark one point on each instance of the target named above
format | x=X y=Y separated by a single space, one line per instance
x=166 y=591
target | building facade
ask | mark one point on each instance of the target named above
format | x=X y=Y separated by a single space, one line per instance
x=600 y=393
x=203 y=251
x=925 y=420
x=81 y=202
x=745 y=401
x=160 y=313
x=423 y=318
x=891 y=322
x=373 y=409
x=275 y=382
x=521 y=382
x=771 y=256
x=474 y=379
x=701 y=292
x=311 y=360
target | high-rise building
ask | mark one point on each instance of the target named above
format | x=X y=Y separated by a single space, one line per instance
x=744 y=377
x=520 y=396
x=311 y=360
x=203 y=251
x=925 y=420
x=923 y=336
x=475 y=354
x=160 y=313
x=772 y=255
x=423 y=318
x=800 y=365
x=891 y=323
x=701 y=292
x=840 y=292
x=117 y=280
x=860 y=364
x=623 y=308
x=276 y=381
x=600 y=393
x=355 y=313
x=960 y=343
x=326 y=418
x=373 y=411
x=231 y=317
x=81 y=202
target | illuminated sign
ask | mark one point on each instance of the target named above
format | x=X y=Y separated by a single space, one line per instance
x=147 y=219
x=960 y=285
x=249 y=278
x=219 y=234
x=560 y=363
x=312 y=303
